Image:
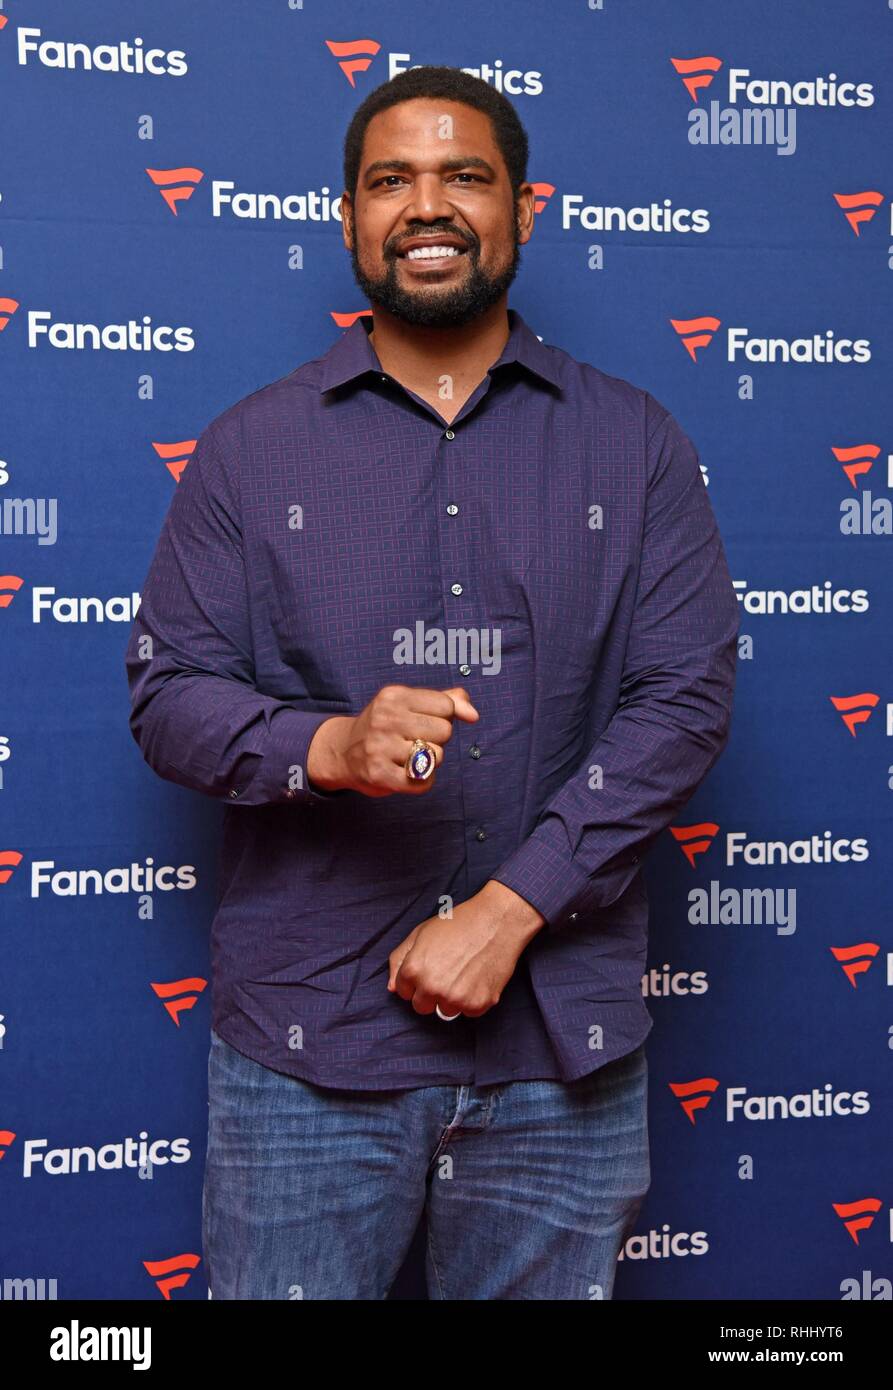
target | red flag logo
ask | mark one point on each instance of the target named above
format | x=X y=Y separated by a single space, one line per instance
x=7 y=309
x=694 y=1095
x=347 y=320
x=542 y=193
x=696 y=333
x=857 y=459
x=857 y=1216
x=855 y=960
x=353 y=56
x=175 y=456
x=696 y=73
x=176 y=185
x=694 y=839
x=854 y=709
x=172 y=1274
x=179 y=995
x=859 y=207
x=10 y=859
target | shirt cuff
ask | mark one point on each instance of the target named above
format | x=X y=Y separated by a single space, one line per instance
x=557 y=887
x=281 y=778
x=547 y=879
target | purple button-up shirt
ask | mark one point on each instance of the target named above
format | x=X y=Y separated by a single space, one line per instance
x=553 y=550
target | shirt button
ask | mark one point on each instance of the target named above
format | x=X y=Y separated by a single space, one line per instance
x=480 y=835
x=452 y=509
x=475 y=751
x=233 y=792
x=464 y=670
x=289 y=792
x=455 y=588
x=573 y=917
x=449 y=435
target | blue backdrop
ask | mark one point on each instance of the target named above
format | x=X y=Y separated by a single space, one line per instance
x=720 y=241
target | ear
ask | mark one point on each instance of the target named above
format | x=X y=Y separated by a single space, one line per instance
x=526 y=212
x=347 y=220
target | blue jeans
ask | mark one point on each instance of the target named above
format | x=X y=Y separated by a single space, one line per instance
x=529 y=1187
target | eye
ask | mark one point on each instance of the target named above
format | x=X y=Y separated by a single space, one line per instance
x=475 y=178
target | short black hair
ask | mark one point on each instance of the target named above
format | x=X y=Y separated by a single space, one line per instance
x=444 y=84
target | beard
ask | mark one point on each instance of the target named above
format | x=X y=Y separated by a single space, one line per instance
x=439 y=307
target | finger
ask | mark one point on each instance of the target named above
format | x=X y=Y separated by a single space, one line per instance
x=404 y=981
x=480 y=1003
x=441 y=703
x=462 y=706
x=401 y=785
x=389 y=773
x=396 y=959
x=423 y=1002
x=430 y=727
x=395 y=778
x=474 y=1012
x=474 y=998
x=404 y=749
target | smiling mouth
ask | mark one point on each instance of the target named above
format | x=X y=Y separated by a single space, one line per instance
x=434 y=255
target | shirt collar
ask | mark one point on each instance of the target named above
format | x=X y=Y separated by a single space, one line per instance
x=352 y=355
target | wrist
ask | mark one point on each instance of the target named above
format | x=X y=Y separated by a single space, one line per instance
x=325 y=763
x=517 y=917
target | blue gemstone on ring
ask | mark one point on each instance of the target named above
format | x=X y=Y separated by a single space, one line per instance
x=420 y=762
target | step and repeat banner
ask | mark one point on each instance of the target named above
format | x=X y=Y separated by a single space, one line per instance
x=715 y=225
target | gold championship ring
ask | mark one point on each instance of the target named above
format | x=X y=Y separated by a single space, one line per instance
x=421 y=761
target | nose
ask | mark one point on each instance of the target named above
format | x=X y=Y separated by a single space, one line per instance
x=429 y=201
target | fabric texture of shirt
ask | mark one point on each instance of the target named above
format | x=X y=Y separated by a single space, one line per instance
x=332 y=534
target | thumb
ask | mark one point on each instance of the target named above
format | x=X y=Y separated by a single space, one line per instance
x=398 y=956
x=464 y=708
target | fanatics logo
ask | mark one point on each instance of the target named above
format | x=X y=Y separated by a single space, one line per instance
x=694 y=839
x=179 y=995
x=855 y=960
x=353 y=56
x=859 y=207
x=172 y=1273
x=176 y=185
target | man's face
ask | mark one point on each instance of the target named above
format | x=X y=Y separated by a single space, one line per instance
x=431 y=171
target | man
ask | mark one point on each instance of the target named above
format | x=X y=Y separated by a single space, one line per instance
x=447 y=563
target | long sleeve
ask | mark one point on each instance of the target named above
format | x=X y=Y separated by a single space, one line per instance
x=674 y=709
x=195 y=712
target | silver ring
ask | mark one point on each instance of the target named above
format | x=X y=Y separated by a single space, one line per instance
x=447 y=1018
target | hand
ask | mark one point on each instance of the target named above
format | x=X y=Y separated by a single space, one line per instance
x=463 y=963
x=367 y=752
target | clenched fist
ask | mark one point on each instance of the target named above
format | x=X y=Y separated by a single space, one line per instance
x=367 y=752
x=464 y=963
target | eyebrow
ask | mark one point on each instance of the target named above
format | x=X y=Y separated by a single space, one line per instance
x=404 y=166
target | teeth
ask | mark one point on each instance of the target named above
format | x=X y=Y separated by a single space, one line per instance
x=421 y=253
